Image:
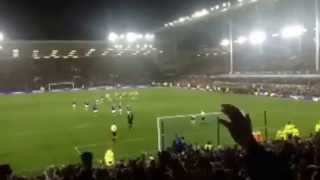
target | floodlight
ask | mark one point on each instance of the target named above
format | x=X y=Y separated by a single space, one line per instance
x=225 y=43
x=113 y=37
x=15 y=53
x=293 y=31
x=240 y=1
x=241 y=40
x=122 y=36
x=217 y=7
x=1 y=36
x=201 y=13
x=131 y=37
x=1 y=48
x=182 y=20
x=257 y=37
x=275 y=35
x=149 y=37
x=224 y=5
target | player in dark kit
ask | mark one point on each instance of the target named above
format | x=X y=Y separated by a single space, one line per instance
x=95 y=108
x=113 y=109
x=130 y=119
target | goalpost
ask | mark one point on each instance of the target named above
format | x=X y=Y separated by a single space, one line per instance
x=195 y=128
x=60 y=86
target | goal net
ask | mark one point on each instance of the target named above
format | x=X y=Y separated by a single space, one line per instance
x=195 y=128
x=60 y=86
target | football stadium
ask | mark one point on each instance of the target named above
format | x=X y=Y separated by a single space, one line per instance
x=160 y=90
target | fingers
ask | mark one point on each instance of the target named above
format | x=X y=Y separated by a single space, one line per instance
x=226 y=123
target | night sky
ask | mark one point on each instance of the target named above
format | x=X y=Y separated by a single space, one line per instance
x=89 y=19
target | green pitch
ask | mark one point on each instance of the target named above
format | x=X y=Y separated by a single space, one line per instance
x=41 y=130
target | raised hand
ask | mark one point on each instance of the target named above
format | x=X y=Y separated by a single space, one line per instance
x=239 y=125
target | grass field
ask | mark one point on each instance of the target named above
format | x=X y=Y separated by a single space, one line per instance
x=40 y=130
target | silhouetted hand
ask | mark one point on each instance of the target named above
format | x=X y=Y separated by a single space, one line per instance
x=239 y=125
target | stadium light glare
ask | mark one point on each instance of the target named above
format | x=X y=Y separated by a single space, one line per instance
x=149 y=37
x=241 y=40
x=293 y=31
x=15 y=53
x=182 y=20
x=1 y=48
x=113 y=37
x=132 y=37
x=225 y=43
x=201 y=13
x=257 y=37
x=240 y=1
x=1 y=36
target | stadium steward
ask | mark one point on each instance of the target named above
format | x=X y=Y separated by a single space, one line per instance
x=109 y=158
x=317 y=127
x=208 y=146
x=289 y=130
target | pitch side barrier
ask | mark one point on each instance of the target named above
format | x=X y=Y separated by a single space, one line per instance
x=95 y=88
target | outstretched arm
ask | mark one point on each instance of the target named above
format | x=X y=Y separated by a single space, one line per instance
x=261 y=164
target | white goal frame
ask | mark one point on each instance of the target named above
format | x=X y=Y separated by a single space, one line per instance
x=160 y=132
x=50 y=85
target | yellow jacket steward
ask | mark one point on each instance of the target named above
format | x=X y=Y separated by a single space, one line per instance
x=109 y=158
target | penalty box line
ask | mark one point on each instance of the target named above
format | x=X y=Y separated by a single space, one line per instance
x=79 y=147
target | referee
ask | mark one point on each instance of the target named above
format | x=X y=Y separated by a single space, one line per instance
x=114 y=129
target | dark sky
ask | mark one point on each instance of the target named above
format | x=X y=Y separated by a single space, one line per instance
x=88 y=19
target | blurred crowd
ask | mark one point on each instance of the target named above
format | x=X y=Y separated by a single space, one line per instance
x=292 y=158
x=259 y=86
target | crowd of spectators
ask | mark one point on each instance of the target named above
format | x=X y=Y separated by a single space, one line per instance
x=261 y=86
x=293 y=158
